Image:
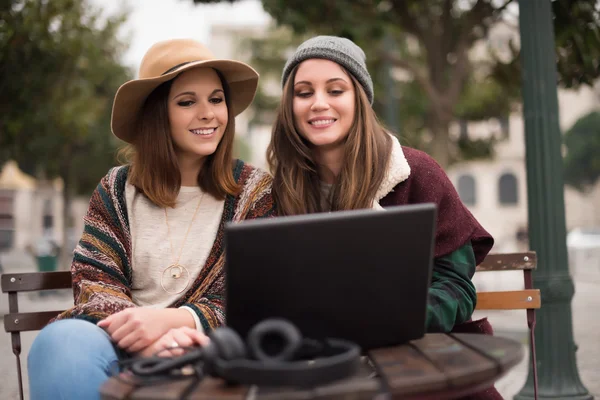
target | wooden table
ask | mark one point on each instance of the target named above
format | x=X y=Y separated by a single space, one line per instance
x=438 y=366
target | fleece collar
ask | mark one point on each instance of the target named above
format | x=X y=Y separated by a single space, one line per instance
x=398 y=171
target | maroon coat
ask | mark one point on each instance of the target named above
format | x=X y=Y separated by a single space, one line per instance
x=455 y=226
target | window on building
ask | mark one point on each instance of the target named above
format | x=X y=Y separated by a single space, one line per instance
x=7 y=221
x=507 y=189
x=466 y=189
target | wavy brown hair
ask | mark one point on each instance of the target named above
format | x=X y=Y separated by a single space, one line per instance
x=296 y=186
x=154 y=169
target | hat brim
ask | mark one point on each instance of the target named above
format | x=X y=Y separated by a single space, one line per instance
x=130 y=97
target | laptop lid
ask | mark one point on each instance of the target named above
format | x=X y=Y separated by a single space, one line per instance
x=361 y=275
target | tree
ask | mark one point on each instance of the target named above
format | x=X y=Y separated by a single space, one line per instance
x=60 y=68
x=408 y=103
x=433 y=41
x=582 y=159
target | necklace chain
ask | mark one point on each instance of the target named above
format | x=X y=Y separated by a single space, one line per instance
x=186 y=233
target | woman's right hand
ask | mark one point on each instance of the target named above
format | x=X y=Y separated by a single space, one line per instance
x=169 y=345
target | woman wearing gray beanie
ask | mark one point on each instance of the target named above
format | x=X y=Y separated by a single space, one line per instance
x=329 y=152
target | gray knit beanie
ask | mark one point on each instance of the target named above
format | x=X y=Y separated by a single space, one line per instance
x=340 y=50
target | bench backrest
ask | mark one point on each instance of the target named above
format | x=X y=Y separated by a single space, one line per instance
x=528 y=298
x=16 y=322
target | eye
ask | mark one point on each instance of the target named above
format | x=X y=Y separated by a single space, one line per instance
x=336 y=92
x=185 y=103
x=216 y=100
x=303 y=94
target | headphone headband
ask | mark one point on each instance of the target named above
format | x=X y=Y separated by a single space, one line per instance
x=293 y=361
x=344 y=362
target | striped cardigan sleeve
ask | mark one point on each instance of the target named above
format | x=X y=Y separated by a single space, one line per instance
x=100 y=269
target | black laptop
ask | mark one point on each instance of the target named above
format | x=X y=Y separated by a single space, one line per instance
x=361 y=275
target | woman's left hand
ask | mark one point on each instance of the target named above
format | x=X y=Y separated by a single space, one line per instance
x=134 y=329
x=169 y=345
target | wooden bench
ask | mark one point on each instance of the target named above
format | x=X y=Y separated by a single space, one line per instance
x=16 y=322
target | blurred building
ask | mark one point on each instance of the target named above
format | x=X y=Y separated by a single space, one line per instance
x=496 y=190
x=31 y=221
x=28 y=209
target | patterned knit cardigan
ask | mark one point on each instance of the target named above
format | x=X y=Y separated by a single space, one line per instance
x=101 y=268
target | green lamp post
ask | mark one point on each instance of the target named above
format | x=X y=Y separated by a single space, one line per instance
x=558 y=376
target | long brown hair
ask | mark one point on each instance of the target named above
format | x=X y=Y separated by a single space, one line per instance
x=296 y=186
x=154 y=169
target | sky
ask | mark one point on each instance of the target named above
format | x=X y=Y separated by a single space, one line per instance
x=151 y=21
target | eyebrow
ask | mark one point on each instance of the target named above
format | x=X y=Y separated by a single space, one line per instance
x=328 y=81
x=194 y=93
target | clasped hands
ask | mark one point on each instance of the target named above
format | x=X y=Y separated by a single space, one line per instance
x=147 y=331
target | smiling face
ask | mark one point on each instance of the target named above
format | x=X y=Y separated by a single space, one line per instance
x=324 y=103
x=197 y=113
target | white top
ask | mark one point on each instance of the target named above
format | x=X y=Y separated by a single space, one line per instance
x=151 y=248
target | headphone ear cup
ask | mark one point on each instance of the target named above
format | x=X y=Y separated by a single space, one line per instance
x=274 y=340
x=227 y=343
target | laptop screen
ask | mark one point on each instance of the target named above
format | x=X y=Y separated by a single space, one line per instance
x=360 y=275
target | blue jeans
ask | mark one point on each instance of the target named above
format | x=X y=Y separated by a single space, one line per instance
x=70 y=359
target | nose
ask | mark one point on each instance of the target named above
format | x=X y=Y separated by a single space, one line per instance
x=320 y=102
x=205 y=113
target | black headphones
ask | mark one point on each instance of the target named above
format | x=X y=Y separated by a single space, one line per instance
x=276 y=354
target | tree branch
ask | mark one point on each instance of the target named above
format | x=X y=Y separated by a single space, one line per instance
x=407 y=19
x=500 y=9
x=458 y=74
x=474 y=17
x=460 y=70
x=447 y=26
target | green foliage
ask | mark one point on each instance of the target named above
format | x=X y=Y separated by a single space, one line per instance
x=582 y=160
x=577 y=37
x=60 y=67
x=577 y=31
x=484 y=99
x=473 y=149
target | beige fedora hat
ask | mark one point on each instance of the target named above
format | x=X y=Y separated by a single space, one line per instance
x=164 y=61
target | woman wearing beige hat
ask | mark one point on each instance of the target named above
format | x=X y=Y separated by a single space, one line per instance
x=150 y=259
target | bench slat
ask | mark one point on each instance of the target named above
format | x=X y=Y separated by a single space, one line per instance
x=509 y=300
x=32 y=281
x=32 y=321
x=508 y=262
